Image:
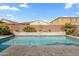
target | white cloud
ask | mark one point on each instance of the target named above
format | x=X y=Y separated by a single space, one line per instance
x=68 y=5
x=5 y=7
x=9 y=15
x=11 y=18
x=24 y=5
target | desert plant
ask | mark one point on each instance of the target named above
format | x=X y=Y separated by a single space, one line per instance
x=75 y=33
x=4 y=30
x=29 y=29
x=1 y=22
x=69 y=28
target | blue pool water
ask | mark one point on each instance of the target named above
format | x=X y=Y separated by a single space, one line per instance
x=37 y=41
x=40 y=40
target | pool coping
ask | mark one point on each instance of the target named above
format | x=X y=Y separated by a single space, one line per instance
x=2 y=37
x=39 y=33
x=73 y=36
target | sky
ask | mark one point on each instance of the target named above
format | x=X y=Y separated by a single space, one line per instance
x=24 y=12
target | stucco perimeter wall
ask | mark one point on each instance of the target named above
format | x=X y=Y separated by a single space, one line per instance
x=39 y=28
x=39 y=33
x=77 y=28
x=47 y=28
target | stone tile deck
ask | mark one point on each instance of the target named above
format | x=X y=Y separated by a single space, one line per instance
x=59 y=50
x=1 y=37
x=39 y=33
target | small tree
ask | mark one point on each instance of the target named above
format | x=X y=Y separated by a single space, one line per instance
x=69 y=28
x=4 y=30
x=29 y=29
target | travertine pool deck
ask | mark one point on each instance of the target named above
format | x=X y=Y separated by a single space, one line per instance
x=1 y=37
x=39 y=33
x=53 y=50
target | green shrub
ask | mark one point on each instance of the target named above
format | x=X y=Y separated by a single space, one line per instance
x=69 y=28
x=4 y=30
x=75 y=34
x=29 y=29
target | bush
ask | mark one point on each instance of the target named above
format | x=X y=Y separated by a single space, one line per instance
x=29 y=29
x=69 y=28
x=4 y=30
x=75 y=34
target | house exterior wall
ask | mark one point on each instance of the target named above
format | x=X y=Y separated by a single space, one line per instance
x=63 y=20
x=39 y=23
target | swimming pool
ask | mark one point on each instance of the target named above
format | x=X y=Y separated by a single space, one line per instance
x=36 y=40
x=40 y=40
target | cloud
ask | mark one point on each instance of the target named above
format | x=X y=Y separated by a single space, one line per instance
x=5 y=7
x=24 y=5
x=9 y=15
x=11 y=18
x=68 y=5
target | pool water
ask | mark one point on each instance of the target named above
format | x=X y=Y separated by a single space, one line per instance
x=40 y=40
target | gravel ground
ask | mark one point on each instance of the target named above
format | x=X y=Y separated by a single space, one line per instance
x=59 y=50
